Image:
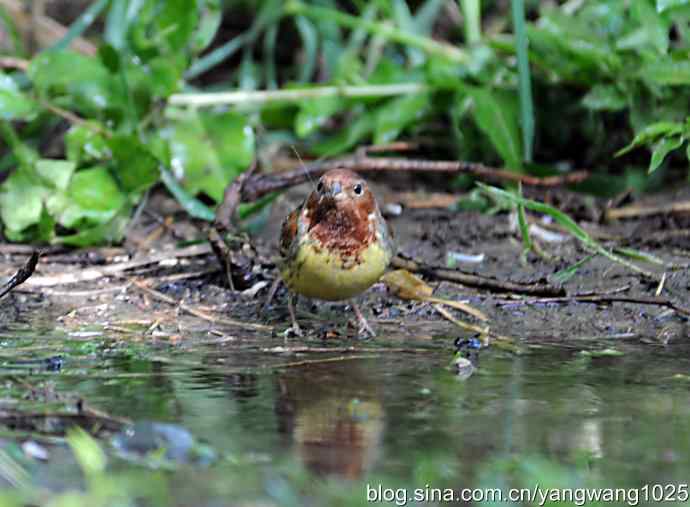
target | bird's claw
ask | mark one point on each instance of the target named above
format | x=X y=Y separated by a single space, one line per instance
x=294 y=330
x=365 y=330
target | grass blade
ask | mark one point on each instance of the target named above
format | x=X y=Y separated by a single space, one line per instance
x=566 y=222
x=524 y=79
x=471 y=10
x=310 y=43
x=80 y=25
x=191 y=204
x=387 y=31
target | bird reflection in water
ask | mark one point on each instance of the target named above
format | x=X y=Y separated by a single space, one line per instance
x=332 y=417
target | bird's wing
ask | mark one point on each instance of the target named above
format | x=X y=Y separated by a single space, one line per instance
x=288 y=232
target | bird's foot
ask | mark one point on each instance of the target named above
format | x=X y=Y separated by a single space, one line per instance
x=293 y=331
x=365 y=330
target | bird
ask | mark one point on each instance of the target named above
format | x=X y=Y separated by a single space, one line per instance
x=336 y=244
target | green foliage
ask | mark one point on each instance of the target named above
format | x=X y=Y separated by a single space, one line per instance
x=124 y=141
x=590 y=64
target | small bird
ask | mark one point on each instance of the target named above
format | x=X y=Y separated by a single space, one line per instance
x=336 y=244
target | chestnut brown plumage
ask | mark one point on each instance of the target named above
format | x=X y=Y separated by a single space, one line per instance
x=336 y=244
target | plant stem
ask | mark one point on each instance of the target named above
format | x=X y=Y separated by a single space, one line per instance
x=471 y=10
x=295 y=95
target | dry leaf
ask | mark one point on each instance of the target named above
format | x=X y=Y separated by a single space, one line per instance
x=405 y=285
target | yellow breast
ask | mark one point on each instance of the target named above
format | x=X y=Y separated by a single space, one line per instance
x=317 y=273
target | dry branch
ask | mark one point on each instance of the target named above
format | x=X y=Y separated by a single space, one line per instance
x=22 y=275
x=262 y=184
x=480 y=282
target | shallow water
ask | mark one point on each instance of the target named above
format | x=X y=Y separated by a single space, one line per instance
x=293 y=429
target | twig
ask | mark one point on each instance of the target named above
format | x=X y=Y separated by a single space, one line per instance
x=231 y=199
x=343 y=350
x=308 y=362
x=452 y=275
x=46 y=30
x=10 y=62
x=460 y=323
x=224 y=223
x=500 y=341
x=606 y=298
x=263 y=184
x=22 y=275
x=198 y=313
x=91 y=274
x=643 y=211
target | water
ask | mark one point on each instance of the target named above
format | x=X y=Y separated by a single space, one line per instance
x=297 y=430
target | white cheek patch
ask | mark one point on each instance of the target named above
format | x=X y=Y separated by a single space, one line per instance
x=371 y=218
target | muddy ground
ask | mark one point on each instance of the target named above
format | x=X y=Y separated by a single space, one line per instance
x=165 y=280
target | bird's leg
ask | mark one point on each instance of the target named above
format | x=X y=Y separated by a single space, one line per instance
x=365 y=329
x=271 y=294
x=291 y=308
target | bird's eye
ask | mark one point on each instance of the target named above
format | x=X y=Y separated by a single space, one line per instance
x=319 y=187
x=358 y=189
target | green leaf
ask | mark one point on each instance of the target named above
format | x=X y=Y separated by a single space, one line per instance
x=109 y=57
x=84 y=144
x=112 y=231
x=348 y=137
x=208 y=150
x=56 y=173
x=655 y=26
x=88 y=453
x=650 y=133
x=562 y=276
x=310 y=42
x=663 y=5
x=666 y=72
x=21 y=202
x=426 y=15
x=176 y=22
x=662 y=148
x=117 y=23
x=496 y=115
x=396 y=114
x=81 y=24
x=14 y=105
x=211 y=17
x=604 y=97
x=87 y=83
x=524 y=79
x=93 y=197
x=191 y=204
x=134 y=165
x=314 y=113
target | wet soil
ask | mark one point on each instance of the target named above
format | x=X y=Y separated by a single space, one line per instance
x=428 y=235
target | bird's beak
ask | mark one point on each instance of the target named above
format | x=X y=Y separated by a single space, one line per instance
x=335 y=189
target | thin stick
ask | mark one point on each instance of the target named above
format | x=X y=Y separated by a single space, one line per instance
x=452 y=275
x=343 y=350
x=198 y=313
x=262 y=184
x=308 y=362
x=91 y=274
x=644 y=211
x=46 y=30
x=605 y=298
x=22 y=275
